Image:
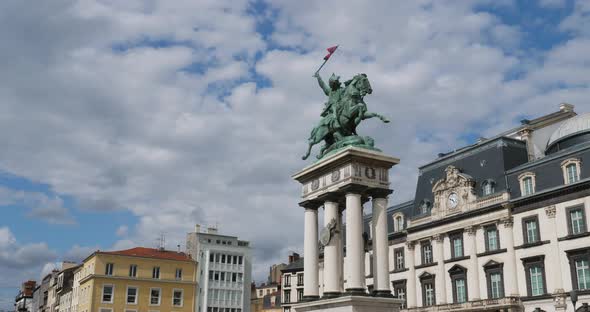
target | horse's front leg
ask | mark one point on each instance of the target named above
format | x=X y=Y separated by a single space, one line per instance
x=371 y=115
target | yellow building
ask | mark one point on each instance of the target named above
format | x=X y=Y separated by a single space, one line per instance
x=137 y=280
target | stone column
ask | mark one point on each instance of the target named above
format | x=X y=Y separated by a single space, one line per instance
x=511 y=281
x=332 y=276
x=411 y=290
x=440 y=284
x=381 y=247
x=340 y=251
x=553 y=257
x=473 y=270
x=311 y=288
x=355 y=253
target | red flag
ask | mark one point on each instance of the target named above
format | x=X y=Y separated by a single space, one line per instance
x=331 y=51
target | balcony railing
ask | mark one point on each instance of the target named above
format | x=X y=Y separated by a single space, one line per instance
x=478 y=305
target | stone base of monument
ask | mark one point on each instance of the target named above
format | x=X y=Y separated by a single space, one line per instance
x=350 y=304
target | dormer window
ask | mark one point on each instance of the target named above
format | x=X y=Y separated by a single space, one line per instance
x=571 y=170
x=425 y=206
x=488 y=187
x=527 y=183
x=398 y=222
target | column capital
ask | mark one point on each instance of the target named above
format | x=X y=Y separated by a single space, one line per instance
x=311 y=204
x=507 y=222
x=379 y=193
x=439 y=238
x=471 y=230
x=550 y=211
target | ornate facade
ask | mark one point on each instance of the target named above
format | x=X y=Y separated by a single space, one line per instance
x=500 y=225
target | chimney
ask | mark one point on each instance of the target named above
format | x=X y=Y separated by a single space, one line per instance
x=566 y=107
x=198 y=228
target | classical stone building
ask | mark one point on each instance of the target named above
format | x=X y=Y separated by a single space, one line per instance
x=500 y=225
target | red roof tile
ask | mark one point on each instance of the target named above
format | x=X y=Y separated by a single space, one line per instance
x=150 y=253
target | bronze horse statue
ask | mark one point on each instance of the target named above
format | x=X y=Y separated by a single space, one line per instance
x=341 y=125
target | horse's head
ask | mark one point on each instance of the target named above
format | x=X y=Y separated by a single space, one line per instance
x=359 y=85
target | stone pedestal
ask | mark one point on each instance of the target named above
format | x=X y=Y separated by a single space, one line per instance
x=346 y=179
x=350 y=304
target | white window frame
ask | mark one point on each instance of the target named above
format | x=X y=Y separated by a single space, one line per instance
x=112 y=269
x=521 y=179
x=133 y=268
x=181 y=297
x=159 y=297
x=396 y=226
x=571 y=161
x=112 y=293
x=176 y=275
x=136 y=294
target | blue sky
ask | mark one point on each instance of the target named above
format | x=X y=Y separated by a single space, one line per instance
x=122 y=120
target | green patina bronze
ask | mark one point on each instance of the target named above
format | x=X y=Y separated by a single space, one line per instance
x=343 y=112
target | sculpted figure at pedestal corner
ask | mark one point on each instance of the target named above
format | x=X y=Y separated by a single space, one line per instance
x=343 y=112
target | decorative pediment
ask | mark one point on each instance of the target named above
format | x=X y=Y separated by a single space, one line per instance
x=457 y=268
x=425 y=275
x=492 y=263
x=454 y=178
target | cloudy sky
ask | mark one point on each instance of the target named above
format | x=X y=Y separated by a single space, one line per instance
x=120 y=120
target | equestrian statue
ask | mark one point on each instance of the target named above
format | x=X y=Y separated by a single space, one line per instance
x=342 y=113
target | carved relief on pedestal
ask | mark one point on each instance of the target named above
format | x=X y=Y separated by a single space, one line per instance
x=452 y=193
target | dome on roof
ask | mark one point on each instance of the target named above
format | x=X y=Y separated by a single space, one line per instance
x=571 y=128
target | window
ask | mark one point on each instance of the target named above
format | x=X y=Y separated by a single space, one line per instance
x=582 y=274
x=177 y=298
x=399 y=290
x=133 y=270
x=131 y=295
x=109 y=269
x=571 y=170
x=299 y=295
x=456 y=245
x=222 y=258
x=287 y=296
x=487 y=187
x=530 y=228
x=212 y=257
x=300 y=279
x=428 y=292
x=287 y=279
x=494 y=279
x=527 y=183
x=576 y=219
x=535 y=275
x=579 y=260
x=426 y=253
x=240 y=258
x=155 y=296
x=572 y=173
x=107 y=293
x=425 y=206
x=105 y=310
x=491 y=237
x=398 y=222
x=399 y=258
x=156 y=272
x=178 y=274
x=459 y=283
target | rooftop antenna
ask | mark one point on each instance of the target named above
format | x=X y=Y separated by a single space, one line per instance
x=162 y=241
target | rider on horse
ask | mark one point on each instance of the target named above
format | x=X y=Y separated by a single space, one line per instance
x=331 y=110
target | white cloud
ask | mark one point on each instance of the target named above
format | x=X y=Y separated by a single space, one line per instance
x=122 y=231
x=41 y=206
x=130 y=128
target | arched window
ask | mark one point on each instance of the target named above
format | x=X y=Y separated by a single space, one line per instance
x=571 y=170
x=398 y=222
x=488 y=187
x=527 y=183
